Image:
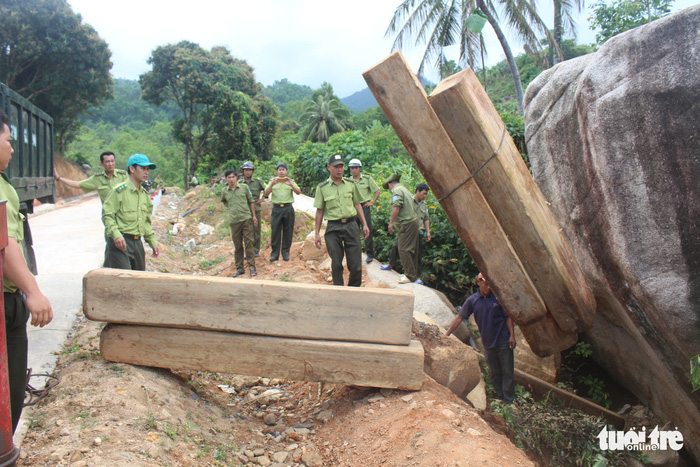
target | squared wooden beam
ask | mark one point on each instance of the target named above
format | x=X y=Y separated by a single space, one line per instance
x=363 y=364
x=270 y=308
x=477 y=132
x=405 y=103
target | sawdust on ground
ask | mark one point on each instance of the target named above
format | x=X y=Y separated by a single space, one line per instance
x=111 y=414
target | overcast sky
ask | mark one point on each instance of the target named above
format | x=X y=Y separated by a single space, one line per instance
x=305 y=41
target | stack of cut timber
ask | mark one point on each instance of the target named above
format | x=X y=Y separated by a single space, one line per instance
x=500 y=214
x=344 y=335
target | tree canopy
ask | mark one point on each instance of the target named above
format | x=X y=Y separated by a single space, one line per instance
x=54 y=60
x=282 y=92
x=127 y=108
x=324 y=117
x=623 y=15
x=442 y=23
x=222 y=110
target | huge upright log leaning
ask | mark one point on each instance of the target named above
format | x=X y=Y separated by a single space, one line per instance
x=477 y=131
x=405 y=104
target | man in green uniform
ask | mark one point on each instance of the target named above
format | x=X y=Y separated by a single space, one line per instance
x=281 y=191
x=257 y=188
x=404 y=217
x=126 y=214
x=17 y=280
x=338 y=201
x=103 y=181
x=421 y=208
x=369 y=192
x=242 y=218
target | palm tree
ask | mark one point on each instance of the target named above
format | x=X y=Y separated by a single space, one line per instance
x=563 y=22
x=441 y=23
x=323 y=117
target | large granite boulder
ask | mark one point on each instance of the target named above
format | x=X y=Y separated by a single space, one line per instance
x=614 y=141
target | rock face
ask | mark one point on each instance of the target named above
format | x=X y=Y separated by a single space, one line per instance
x=447 y=360
x=614 y=141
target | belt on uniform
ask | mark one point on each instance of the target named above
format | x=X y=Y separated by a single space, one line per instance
x=282 y=205
x=343 y=221
x=131 y=237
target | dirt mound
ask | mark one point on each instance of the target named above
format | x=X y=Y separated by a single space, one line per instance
x=104 y=413
x=72 y=171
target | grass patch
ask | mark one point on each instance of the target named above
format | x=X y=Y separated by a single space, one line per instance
x=37 y=418
x=69 y=349
x=149 y=422
x=210 y=263
x=117 y=370
x=559 y=435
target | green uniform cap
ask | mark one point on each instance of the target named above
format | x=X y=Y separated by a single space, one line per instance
x=392 y=178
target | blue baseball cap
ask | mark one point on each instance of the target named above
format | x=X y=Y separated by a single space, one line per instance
x=142 y=160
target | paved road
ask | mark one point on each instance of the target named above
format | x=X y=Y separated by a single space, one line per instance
x=68 y=243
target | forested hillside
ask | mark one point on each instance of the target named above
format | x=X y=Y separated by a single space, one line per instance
x=312 y=124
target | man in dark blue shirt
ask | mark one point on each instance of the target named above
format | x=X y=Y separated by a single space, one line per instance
x=497 y=335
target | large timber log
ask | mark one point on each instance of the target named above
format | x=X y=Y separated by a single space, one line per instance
x=477 y=132
x=249 y=306
x=404 y=102
x=374 y=365
x=401 y=97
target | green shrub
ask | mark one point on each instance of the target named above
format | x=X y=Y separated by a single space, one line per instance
x=561 y=436
x=576 y=372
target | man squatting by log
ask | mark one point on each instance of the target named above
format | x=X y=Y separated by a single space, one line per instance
x=281 y=191
x=242 y=219
x=404 y=217
x=103 y=182
x=257 y=188
x=497 y=336
x=338 y=201
x=18 y=283
x=369 y=193
x=126 y=214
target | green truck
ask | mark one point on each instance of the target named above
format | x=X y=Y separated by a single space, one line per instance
x=31 y=169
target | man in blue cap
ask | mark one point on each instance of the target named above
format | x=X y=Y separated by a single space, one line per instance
x=126 y=214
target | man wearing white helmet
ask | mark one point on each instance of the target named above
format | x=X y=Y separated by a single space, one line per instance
x=369 y=192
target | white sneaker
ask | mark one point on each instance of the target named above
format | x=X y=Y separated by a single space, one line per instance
x=403 y=279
